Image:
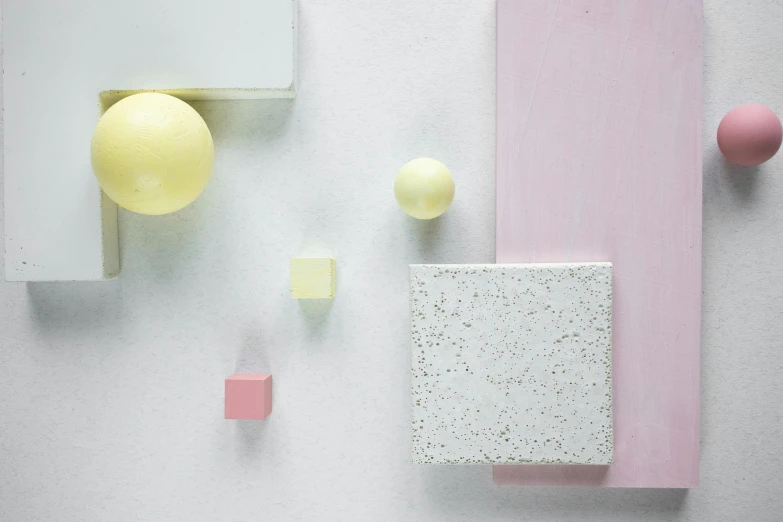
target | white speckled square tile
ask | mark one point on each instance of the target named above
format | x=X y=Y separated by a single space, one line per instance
x=512 y=364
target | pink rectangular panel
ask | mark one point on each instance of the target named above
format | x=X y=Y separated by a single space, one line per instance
x=599 y=159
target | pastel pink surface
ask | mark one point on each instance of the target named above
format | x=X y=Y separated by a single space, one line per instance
x=749 y=134
x=248 y=397
x=599 y=159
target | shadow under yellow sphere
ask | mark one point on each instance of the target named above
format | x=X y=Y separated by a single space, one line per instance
x=424 y=188
x=152 y=153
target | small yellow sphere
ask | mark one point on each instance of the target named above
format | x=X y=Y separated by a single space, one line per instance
x=424 y=188
x=152 y=153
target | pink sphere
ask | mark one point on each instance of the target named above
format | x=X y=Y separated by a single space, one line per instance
x=749 y=134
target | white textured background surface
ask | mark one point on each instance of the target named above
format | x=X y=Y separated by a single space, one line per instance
x=112 y=392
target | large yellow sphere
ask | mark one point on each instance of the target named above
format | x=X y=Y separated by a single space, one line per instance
x=424 y=188
x=152 y=153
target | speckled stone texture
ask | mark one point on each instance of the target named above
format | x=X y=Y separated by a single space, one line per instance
x=512 y=364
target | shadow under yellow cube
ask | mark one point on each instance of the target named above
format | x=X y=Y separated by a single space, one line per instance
x=313 y=278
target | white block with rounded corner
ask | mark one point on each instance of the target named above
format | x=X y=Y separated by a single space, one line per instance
x=65 y=62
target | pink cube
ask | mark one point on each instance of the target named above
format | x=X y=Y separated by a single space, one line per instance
x=248 y=396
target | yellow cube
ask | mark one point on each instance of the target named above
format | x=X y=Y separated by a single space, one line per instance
x=313 y=278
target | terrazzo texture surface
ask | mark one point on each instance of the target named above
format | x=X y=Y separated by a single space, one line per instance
x=512 y=363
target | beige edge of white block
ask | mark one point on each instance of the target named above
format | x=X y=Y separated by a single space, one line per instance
x=66 y=62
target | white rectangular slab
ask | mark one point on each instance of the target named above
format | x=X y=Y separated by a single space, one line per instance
x=61 y=56
x=512 y=364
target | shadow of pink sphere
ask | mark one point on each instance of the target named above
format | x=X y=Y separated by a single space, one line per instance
x=749 y=134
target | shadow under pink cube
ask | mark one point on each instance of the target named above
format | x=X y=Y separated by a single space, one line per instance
x=248 y=396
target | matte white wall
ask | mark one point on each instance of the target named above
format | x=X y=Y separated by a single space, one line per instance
x=112 y=392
